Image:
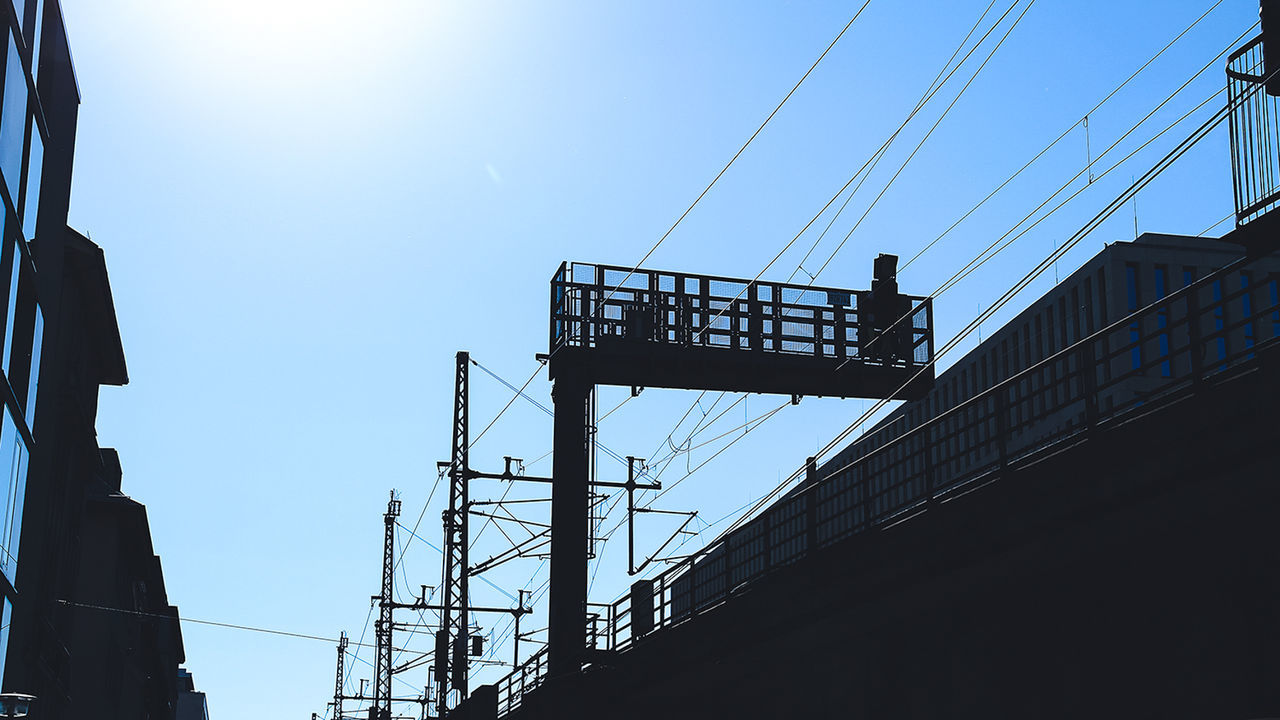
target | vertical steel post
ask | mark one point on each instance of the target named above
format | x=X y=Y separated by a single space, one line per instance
x=451 y=649
x=515 y=653
x=631 y=515
x=382 y=626
x=339 y=676
x=567 y=612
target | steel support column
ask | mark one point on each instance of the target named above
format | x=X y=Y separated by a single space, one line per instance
x=339 y=677
x=567 y=610
x=383 y=625
x=451 y=664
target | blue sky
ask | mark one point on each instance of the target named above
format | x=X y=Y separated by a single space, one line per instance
x=308 y=208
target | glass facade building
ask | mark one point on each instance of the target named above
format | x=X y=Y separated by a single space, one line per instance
x=23 y=137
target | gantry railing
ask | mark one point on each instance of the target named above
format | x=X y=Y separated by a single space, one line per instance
x=594 y=305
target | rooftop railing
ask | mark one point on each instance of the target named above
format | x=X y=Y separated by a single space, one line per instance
x=1255 y=134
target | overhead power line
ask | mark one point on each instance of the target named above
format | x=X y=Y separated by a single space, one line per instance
x=1064 y=134
x=214 y=623
x=939 y=81
x=929 y=93
x=742 y=149
x=1163 y=164
x=934 y=87
x=981 y=259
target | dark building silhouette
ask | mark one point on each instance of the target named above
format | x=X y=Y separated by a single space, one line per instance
x=124 y=665
x=71 y=541
x=191 y=702
x=38 y=100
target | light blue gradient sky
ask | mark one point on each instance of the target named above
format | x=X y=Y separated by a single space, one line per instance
x=308 y=208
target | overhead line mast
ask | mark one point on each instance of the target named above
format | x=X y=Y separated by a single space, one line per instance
x=339 y=676
x=451 y=639
x=382 y=627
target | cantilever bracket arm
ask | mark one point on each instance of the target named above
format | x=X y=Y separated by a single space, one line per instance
x=514 y=552
x=649 y=560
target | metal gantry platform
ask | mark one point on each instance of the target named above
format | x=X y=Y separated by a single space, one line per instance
x=649 y=328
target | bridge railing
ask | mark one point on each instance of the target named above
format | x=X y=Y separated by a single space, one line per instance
x=1152 y=355
x=899 y=469
x=513 y=687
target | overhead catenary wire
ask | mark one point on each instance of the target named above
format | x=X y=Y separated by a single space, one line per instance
x=421 y=514
x=867 y=415
x=751 y=283
x=1163 y=164
x=212 y=623
x=742 y=149
x=1205 y=231
x=934 y=87
x=979 y=259
x=919 y=145
x=928 y=95
x=1062 y=136
x=932 y=90
x=938 y=82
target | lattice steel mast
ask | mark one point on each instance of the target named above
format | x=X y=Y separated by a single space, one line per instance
x=451 y=640
x=338 y=676
x=383 y=625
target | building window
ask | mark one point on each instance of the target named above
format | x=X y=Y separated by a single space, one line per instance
x=1075 y=315
x=1103 y=317
x=1219 y=320
x=13 y=120
x=1131 y=298
x=20 y=10
x=1087 y=308
x=31 y=198
x=11 y=267
x=22 y=338
x=37 y=344
x=13 y=480
x=35 y=42
x=1063 y=331
x=1162 y=320
x=6 y=617
x=1246 y=308
x=1275 y=304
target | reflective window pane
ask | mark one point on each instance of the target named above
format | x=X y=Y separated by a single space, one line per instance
x=24 y=314
x=15 y=269
x=37 y=342
x=23 y=17
x=13 y=119
x=35 y=43
x=12 y=472
x=6 y=616
x=31 y=203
